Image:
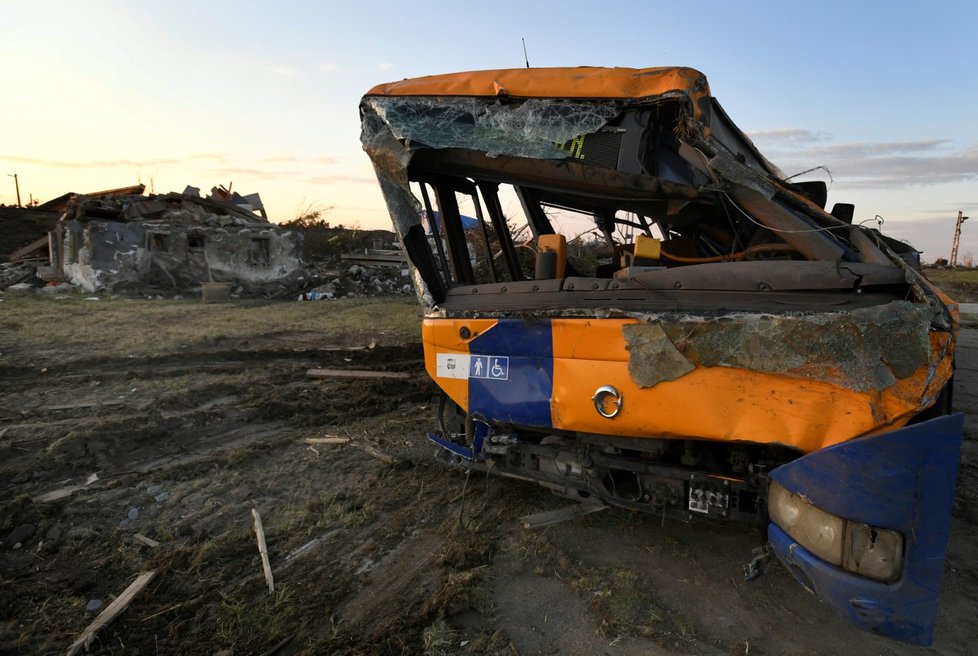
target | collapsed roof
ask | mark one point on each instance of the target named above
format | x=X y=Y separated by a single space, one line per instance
x=127 y=241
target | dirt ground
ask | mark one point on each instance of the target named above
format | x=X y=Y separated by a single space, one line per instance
x=369 y=557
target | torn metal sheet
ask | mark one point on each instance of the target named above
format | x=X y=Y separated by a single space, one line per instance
x=654 y=356
x=866 y=348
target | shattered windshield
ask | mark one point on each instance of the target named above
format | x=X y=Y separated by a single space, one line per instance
x=532 y=128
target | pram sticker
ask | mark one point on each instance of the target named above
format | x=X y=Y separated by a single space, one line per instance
x=453 y=365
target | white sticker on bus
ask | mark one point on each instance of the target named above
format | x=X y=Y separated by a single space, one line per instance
x=453 y=365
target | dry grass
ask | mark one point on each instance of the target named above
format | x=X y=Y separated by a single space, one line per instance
x=142 y=328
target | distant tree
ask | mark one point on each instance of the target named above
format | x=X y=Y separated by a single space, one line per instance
x=968 y=260
x=310 y=215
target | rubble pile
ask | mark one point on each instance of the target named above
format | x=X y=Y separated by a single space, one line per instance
x=121 y=241
x=357 y=281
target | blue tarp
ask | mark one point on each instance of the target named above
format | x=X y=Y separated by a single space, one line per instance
x=468 y=223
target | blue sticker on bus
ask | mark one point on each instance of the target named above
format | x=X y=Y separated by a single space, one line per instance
x=490 y=367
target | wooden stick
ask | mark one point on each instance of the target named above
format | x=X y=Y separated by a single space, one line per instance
x=560 y=515
x=327 y=440
x=142 y=539
x=379 y=455
x=263 y=550
x=356 y=373
x=278 y=647
x=112 y=611
x=61 y=493
x=173 y=607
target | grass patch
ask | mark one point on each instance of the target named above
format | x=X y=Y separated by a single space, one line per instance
x=959 y=284
x=628 y=606
x=439 y=638
x=251 y=625
x=141 y=328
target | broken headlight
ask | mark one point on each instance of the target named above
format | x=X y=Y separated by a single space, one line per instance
x=869 y=551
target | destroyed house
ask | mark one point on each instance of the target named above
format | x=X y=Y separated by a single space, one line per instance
x=174 y=242
x=720 y=345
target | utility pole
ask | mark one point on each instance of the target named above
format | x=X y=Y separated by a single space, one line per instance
x=17 y=185
x=957 y=239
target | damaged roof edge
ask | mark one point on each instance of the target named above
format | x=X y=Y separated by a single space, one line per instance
x=464 y=113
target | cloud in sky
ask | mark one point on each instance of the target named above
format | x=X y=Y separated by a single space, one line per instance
x=90 y=164
x=213 y=157
x=789 y=135
x=864 y=149
x=289 y=158
x=383 y=66
x=872 y=165
x=328 y=67
x=336 y=179
x=281 y=159
x=284 y=71
x=252 y=172
x=899 y=165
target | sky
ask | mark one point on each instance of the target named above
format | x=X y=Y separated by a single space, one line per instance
x=103 y=94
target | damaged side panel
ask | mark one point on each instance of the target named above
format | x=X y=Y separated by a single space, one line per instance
x=902 y=481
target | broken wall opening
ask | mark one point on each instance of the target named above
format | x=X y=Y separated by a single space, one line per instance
x=259 y=252
x=158 y=242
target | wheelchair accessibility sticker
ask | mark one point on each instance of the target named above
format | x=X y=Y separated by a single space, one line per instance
x=491 y=367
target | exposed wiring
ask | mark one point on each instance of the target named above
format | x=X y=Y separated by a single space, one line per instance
x=701 y=260
x=769 y=248
x=733 y=228
x=790 y=232
x=485 y=503
x=442 y=402
x=815 y=168
x=877 y=218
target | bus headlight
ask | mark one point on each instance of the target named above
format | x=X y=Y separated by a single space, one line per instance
x=873 y=552
x=818 y=531
x=856 y=547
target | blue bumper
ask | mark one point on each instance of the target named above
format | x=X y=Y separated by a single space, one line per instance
x=902 y=480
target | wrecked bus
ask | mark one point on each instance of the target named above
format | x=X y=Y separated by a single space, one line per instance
x=717 y=344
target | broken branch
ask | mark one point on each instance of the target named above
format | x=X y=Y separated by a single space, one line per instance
x=355 y=373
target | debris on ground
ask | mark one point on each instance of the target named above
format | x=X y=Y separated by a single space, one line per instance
x=357 y=280
x=367 y=557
